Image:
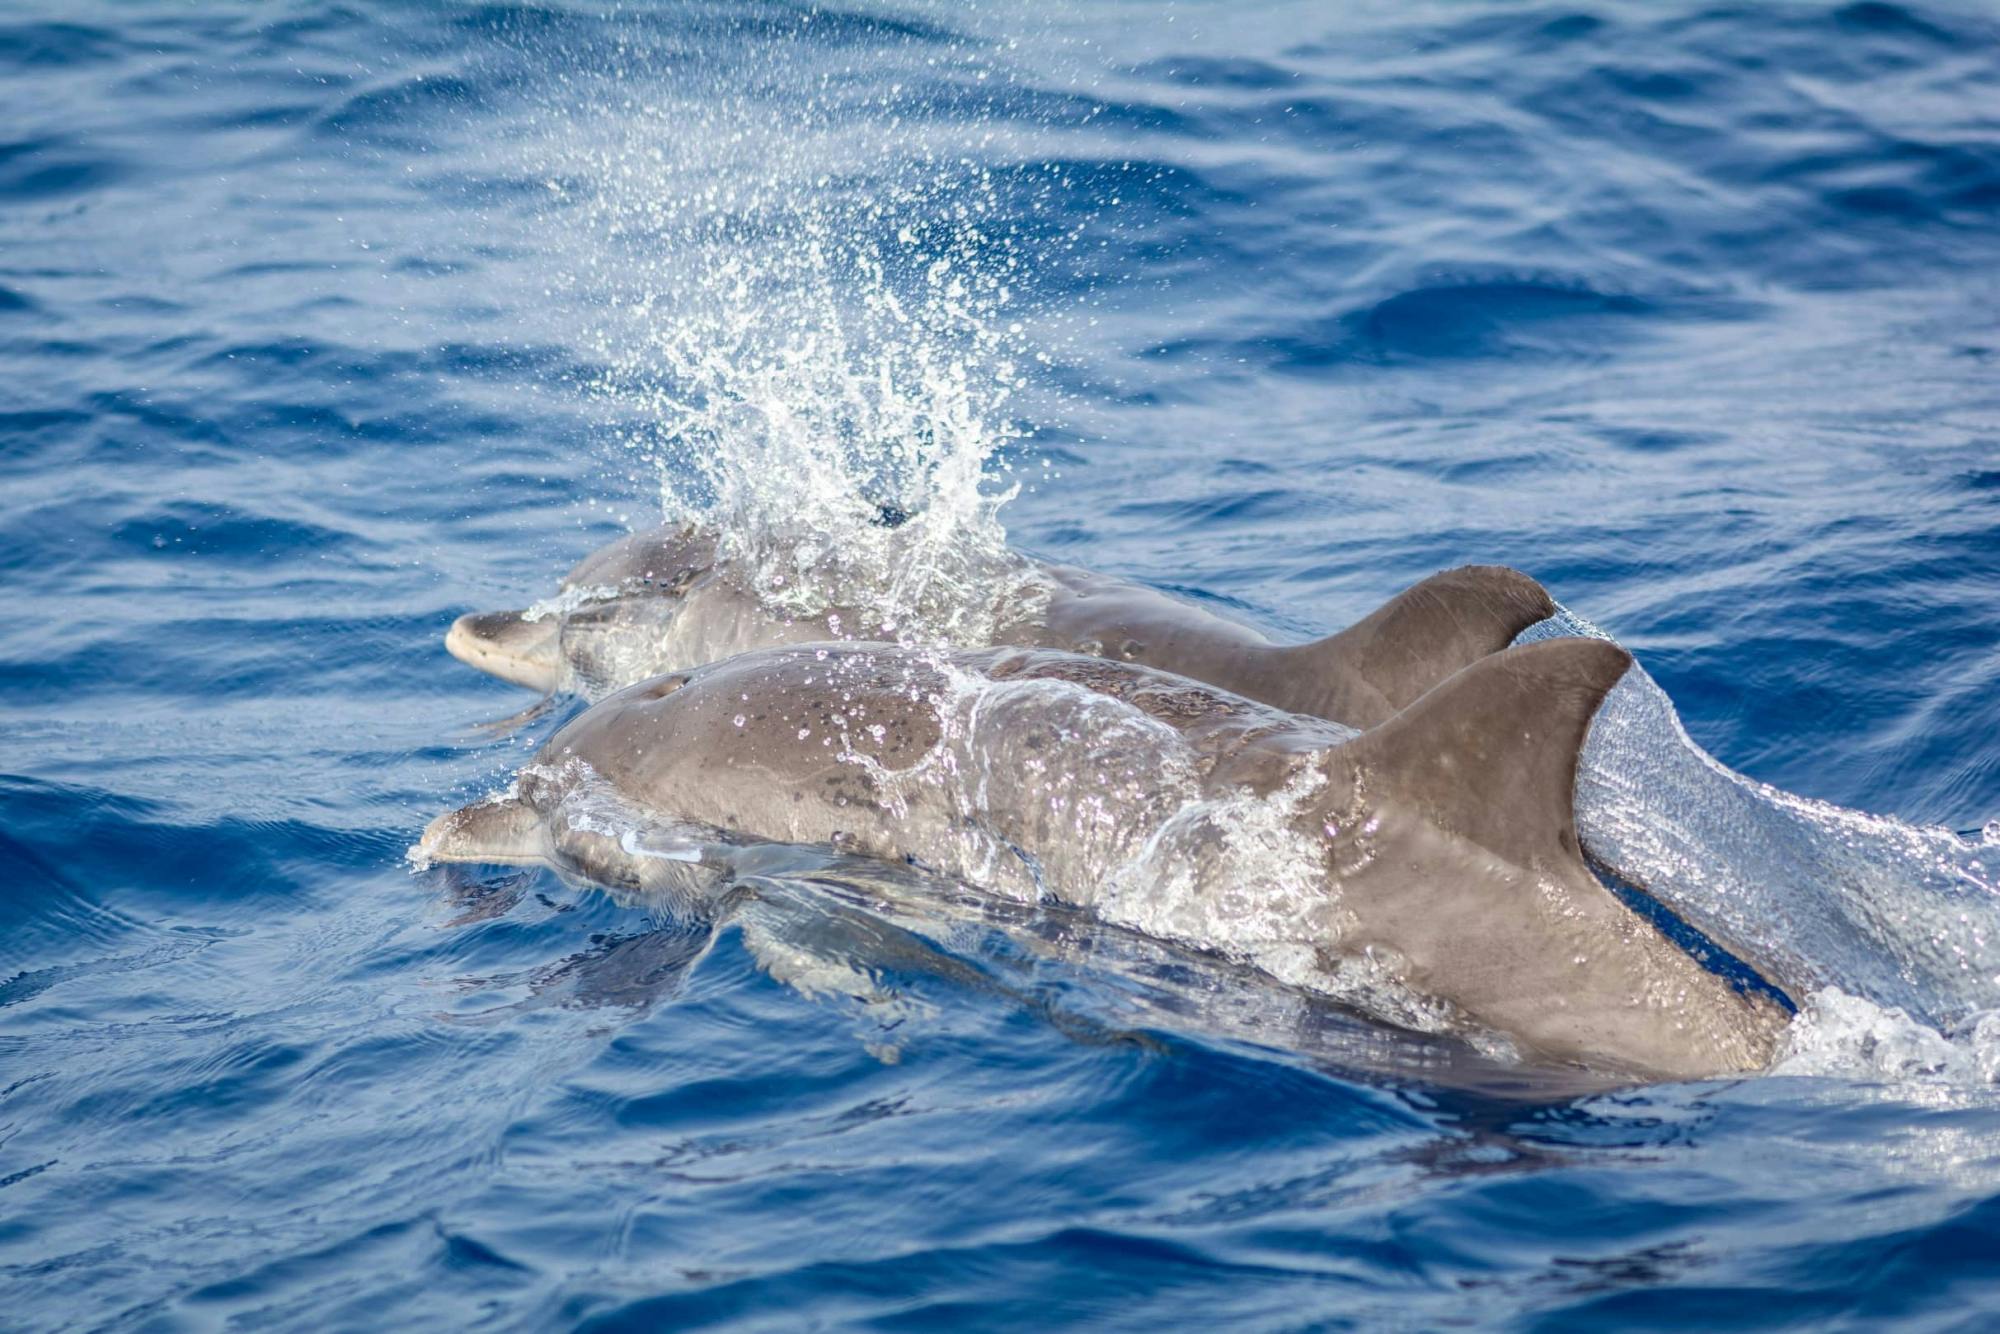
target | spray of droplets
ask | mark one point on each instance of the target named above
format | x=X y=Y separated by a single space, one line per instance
x=812 y=314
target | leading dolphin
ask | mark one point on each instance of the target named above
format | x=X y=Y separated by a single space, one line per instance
x=1429 y=866
x=666 y=600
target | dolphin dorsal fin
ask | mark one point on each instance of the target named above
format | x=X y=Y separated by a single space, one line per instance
x=1524 y=938
x=1490 y=755
x=1416 y=640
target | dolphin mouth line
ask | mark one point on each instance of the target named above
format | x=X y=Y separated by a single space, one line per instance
x=508 y=645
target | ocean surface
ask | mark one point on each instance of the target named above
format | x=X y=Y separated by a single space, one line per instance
x=322 y=323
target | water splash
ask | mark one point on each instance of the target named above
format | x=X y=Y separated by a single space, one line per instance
x=1850 y=1037
x=812 y=324
x=575 y=598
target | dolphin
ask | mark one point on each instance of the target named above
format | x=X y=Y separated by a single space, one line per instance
x=665 y=600
x=1824 y=899
x=1426 y=869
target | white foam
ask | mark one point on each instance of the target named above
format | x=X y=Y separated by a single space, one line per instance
x=1852 y=1038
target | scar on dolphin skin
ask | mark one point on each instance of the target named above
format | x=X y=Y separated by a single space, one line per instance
x=1444 y=838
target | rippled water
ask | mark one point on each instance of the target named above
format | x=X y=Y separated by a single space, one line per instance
x=320 y=324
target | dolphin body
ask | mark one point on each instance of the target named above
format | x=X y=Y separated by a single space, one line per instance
x=1432 y=856
x=663 y=601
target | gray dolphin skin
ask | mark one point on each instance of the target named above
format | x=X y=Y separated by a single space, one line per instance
x=661 y=601
x=1436 y=851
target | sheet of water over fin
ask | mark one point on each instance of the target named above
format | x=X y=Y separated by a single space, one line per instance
x=1853 y=914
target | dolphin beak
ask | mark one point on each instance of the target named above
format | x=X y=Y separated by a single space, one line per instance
x=505 y=831
x=424 y=852
x=504 y=644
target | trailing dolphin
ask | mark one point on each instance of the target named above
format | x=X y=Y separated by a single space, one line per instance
x=1427 y=869
x=664 y=601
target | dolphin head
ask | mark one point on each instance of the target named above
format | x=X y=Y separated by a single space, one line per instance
x=509 y=645
x=603 y=628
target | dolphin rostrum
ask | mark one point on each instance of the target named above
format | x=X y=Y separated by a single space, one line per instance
x=1427 y=869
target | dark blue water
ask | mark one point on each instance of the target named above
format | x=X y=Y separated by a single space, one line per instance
x=323 y=322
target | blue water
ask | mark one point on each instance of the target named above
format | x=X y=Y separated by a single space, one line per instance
x=316 y=330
